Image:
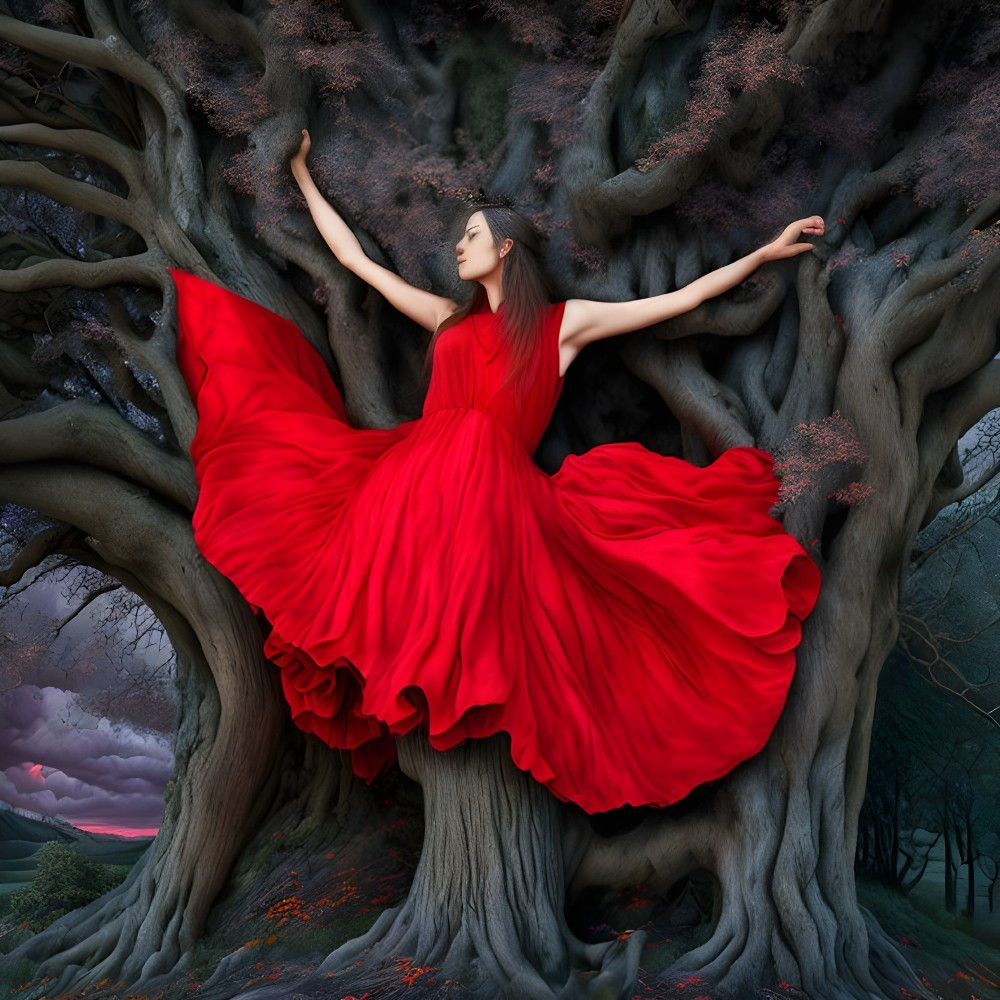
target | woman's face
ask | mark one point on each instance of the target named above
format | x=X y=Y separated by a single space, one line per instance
x=477 y=254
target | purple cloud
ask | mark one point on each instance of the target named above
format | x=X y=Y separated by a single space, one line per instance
x=57 y=760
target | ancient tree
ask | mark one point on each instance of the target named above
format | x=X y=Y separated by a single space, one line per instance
x=652 y=141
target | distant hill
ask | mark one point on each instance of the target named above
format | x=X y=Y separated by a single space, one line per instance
x=21 y=837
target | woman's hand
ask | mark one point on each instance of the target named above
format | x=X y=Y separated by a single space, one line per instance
x=787 y=245
x=303 y=150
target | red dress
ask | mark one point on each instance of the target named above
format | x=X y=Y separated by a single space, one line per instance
x=630 y=621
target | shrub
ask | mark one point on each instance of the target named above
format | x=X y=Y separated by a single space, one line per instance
x=64 y=880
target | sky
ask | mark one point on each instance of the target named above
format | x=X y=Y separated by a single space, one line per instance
x=59 y=756
x=57 y=760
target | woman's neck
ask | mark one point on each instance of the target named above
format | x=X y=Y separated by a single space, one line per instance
x=494 y=291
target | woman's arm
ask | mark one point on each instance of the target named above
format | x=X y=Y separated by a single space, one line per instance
x=585 y=321
x=424 y=308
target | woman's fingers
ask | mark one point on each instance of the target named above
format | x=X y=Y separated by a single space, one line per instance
x=306 y=143
x=795 y=249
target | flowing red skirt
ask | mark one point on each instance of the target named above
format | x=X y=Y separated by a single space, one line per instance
x=630 y=621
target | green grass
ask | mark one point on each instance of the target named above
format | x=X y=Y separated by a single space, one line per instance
x=935 y=945
x=17 y=975
x=21 y=838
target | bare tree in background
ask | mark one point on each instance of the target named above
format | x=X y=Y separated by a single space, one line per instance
x=654 y=142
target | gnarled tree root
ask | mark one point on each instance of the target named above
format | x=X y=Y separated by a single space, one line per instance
x=486 y=905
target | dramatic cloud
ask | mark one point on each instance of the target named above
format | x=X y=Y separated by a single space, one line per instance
x=58 y=761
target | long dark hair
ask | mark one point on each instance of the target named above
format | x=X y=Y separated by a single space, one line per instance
x=527 y=285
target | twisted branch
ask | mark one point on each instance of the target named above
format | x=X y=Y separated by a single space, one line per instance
x=699 y=401
x=81 y=431
x=110 y=52
x=820 y=352
x=26 y=557
x=657 y=853
x=86 y=197
x=86 y=142
x=728 y=318
x=140 y=269
x=969 y=487
x=974 y=397
x=961 y=342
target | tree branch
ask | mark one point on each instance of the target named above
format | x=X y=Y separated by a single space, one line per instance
x=41 y=545
x=86 y=197
x=944 y=499
x=645 y=22
x=24 y=241
x=366 y=390
x=699 y=401
x=127 y=528
x=86 y=142
x=140 y=269
x=110 y=53
x=973 y=486
x=631 y=192
x=818 y=354
x=976 y=396
x=963 y=341
x=727 y=317
x=81 y=431
x=657 y=853
x=921 y=281
x=860 y=189
x=224 y=25
x=15 y=111
x=817 y=30
x=92 y=595
x=108 y=50
x=983 y=215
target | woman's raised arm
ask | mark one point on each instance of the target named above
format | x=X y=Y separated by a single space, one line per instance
x=585 y=321
x=424 y=308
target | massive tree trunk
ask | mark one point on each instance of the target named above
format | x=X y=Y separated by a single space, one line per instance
x=655 y=146
x=145 y=928
x=486 y=906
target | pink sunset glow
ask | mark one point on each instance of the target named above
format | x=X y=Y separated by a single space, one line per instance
x=57 y=761
x=117 y=831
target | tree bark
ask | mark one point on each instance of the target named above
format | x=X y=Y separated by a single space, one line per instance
x=902 y=349
x=146 y=927
x=486 y=903
x=788 y=909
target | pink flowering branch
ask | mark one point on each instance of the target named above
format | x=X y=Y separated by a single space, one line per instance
x=812 y=453
x=745 y=59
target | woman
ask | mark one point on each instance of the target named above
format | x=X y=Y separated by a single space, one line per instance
x=631 y=621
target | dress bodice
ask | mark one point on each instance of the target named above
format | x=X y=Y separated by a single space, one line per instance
x=471 y=367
